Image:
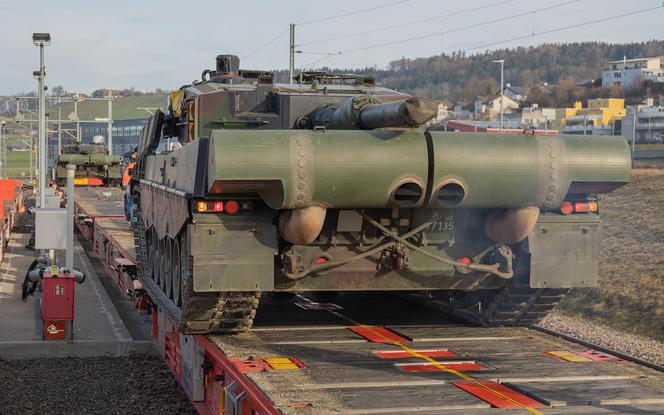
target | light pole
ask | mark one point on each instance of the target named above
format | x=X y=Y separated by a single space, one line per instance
x=502 y=90
x=633 y=126
x=2 y=149
x=41 y=40
x=291 y=54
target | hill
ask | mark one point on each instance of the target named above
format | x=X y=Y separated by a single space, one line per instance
x=124 y=108
x=459 y=76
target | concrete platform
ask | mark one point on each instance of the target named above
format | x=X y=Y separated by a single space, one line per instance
x=98 y=328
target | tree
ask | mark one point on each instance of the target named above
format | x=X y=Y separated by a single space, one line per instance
x=58 y=91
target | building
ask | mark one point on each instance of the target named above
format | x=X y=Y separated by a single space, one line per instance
x=494 y=127
x=445 y=108
x=649 y=126
x=516 y=93
x=18 y=145
x=602 y=116
x=488 y=108
x=631 y=73
x=537 y=117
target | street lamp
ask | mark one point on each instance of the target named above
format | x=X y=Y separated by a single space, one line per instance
x=2 y=148
x=41 y=40
x=502 y=77
x=634 y=115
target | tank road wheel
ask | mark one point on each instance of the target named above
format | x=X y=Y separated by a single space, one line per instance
x=184 y=264
x=159 y=265
x=168 y=267
x=149 y=238
x=177 y=281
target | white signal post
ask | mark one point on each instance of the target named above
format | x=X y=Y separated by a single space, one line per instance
x=41 y=40
x=502 y=89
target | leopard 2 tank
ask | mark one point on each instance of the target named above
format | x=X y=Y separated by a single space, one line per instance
x=335 y=184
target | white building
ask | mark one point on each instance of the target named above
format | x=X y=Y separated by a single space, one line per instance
x=630 y=73
x=649 y=122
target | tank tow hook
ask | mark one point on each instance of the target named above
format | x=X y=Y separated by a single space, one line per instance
x=394 y=257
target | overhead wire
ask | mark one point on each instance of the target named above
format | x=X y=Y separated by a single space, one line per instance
x=572 y=26
x=412 y=22
x=265 y=45
x=474 y=25
x=338 y=16
x=322 y=19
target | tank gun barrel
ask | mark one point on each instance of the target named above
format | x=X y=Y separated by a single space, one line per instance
x=367 y=113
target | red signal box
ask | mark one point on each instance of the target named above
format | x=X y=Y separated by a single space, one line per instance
x=57 y=307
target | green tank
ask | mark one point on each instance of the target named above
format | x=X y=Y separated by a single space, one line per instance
x=94 y=166
x=334 y=184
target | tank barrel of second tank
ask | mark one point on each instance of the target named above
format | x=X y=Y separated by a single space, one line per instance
x=366 y=113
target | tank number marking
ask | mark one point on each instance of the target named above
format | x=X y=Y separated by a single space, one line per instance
x=443 y=225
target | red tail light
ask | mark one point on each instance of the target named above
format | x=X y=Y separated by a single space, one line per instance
x=232 y=207
x=566 y=208
x=579 y=207
x=218 y=206
x=465 y=260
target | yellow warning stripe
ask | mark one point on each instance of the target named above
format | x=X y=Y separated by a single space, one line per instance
x=433 y=362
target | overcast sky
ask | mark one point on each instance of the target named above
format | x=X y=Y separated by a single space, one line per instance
x=165 y=43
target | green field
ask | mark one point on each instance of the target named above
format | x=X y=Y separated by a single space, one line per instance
x=17 y=161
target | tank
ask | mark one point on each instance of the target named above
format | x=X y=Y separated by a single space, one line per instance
x=94 y=166
x=335 y=184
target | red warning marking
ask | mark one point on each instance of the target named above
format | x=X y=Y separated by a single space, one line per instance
x=400 y=354
x=599 y=356
x=377 y=334
x=429 y=367
x=498 y=399
x=250 y=365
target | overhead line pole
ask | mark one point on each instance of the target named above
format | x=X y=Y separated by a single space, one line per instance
x=291 y=64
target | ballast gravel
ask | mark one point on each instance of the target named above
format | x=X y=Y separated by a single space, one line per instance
x=135 y=384
x=620 y=341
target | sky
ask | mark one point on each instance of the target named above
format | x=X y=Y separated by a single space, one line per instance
x=150 y=44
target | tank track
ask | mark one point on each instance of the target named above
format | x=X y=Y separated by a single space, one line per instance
x=515 y=304
x=201 y=312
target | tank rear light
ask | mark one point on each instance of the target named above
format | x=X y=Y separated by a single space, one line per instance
x=586 y=206
x=465 y=260
x=226 y=206
x=232 y=207
x=566 y=208
x=579 y=207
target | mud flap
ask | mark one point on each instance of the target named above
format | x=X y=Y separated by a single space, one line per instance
x=233 y=257
x=564 y=254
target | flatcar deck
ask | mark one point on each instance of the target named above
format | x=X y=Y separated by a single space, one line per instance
x=367 y=353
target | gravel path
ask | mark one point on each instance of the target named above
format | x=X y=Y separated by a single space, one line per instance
x=135 y=384
x=592 y=332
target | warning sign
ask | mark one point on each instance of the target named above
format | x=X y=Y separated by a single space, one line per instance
x=54 y=329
